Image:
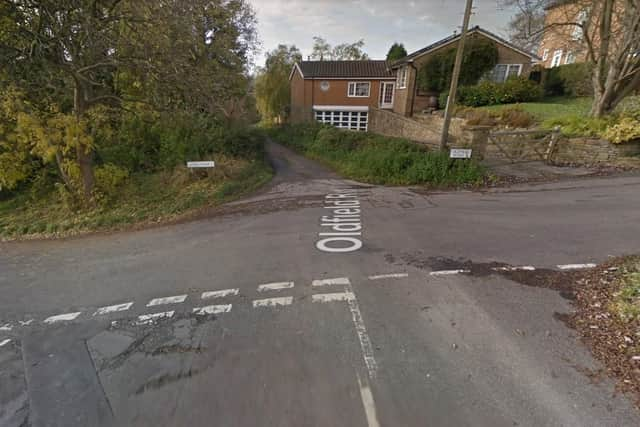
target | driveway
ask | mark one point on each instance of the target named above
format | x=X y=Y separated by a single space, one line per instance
x=240 y=320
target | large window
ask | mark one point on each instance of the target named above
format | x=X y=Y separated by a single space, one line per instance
x=359 y=89
x=557 y=58
x=351 y=120
x=578 y=30
x=402 y=78
x=502 y=72
x=570 y=58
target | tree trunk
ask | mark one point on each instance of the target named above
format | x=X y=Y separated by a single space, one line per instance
x=84 y=155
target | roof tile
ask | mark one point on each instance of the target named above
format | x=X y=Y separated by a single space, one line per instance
x=346 y=69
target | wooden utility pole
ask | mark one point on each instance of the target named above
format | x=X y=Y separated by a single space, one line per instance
x=451 y=101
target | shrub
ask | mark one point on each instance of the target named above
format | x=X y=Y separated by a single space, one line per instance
x=627 y=129
x=109 y=178
x=569 y=80
x=491 y=93
x=516 y=118
x=580 y=126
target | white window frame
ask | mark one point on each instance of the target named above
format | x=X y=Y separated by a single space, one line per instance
x=578 y=31
x=402 y=78
x=506 y=74
x=352 y=90
x=570 y=58
x=545 y=54
x=347 y=118
x=557 y=58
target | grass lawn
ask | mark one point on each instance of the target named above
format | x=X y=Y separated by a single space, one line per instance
x=143 y=199
x=550 y=108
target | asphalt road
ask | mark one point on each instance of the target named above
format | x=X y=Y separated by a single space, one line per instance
x=255 y=326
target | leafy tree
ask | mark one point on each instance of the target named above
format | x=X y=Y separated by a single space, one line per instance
x=396 y=52
x=323 y=51
x=480 y=56
x=272 y=82
x=88 y=56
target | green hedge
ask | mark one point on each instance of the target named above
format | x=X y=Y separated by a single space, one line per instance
x=569 y=80
x=490 y=93
x=377 y=159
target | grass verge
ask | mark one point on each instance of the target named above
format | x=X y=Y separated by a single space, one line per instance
x=377 y=159
x=143 y=199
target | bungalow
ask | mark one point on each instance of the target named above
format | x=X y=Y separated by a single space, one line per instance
x=341 y=93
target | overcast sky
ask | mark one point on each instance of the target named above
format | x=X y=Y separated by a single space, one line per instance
x=416 y=23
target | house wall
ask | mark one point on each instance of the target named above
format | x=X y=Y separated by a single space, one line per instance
x=408 y=98
x=307 y=93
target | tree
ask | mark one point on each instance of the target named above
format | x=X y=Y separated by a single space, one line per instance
x=525 y=29
x=396 y=52
x=272 y=82
x=323 y=51
x=88 y=54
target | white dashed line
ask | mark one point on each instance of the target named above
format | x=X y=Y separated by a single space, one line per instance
x=220 y=294
x=519 y=268
x=67 y=317
x=26 y=323
x=575 y=266
x=368 y=402
x=365 y=341
x=389 y=276
x=167 y=300
x=273 y=302
x=275 y=286
x=113 y=309
x=6 y=327
x=4 y=342
x=331 y=282
x=146 y=319
x=341 y=296
x=448 y=272
x=212 y=309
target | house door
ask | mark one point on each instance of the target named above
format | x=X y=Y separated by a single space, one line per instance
x=386 y=94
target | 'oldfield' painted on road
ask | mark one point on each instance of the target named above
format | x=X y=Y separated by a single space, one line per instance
x=342 y=229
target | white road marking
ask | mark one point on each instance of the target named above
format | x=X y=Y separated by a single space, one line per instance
x=273 y=302
x=26 y=323
x=331 y=282
x=167 y=300
x=212 y=309
x=518 y=268
x=368 y=402
x=67 y=317
x=363 y=336
x=389 y=276
x=575 y=266
x=341 y=296
x=220 y=294
x=4 y=342
x=448 y=272
x=6 y=327
x=113 y=309
x=146 y=319
x=275 y=286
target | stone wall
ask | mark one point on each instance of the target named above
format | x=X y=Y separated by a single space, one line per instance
x=592 y=151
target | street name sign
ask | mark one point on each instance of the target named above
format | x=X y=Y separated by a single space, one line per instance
x=460 y=153
x=201 y=164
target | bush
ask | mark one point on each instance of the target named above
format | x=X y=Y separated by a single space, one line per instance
x=109 y=178
x=491 y=93
x=377 y=159
x=627 y=129
x=569 y=80
x=580 y=125
x=509 y=117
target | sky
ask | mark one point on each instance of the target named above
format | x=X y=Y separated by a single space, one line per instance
x=416 y=23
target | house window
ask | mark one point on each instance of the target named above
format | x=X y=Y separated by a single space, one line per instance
x=359 y=89
x=351 y=120
x=402 y=78
x=557 y=58
x=545 y=54
x=502 y=72
x=578 y=30
x=570 y=58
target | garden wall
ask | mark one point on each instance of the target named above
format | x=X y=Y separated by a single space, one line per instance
x=593 y=150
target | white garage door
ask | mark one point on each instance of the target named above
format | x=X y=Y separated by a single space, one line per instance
x=343 y=119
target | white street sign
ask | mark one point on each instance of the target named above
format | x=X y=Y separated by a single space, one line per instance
x=201 y=164
x=459 y=153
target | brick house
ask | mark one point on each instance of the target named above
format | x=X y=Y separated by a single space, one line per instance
x=563 y=43
x=340 y=93
x=512 y=61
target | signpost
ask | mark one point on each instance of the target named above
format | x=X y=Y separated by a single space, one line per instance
x=460 y=153
x=195 y=165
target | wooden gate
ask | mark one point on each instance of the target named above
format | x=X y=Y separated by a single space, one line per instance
x=523 y=145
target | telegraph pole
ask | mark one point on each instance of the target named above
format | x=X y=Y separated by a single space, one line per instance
x=451 y=101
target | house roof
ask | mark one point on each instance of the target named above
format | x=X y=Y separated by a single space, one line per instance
x=455 y=37
x=344 y=69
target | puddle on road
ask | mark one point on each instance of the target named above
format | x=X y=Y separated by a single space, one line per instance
x=561 y=281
